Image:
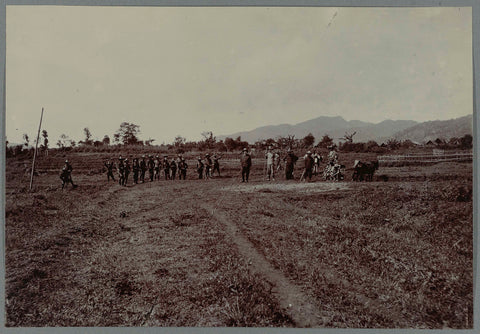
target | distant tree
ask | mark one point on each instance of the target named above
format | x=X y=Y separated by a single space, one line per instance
x=230 y=144
x=106 y=140
x=349 y=136
x=371 y=145
x=179 y=141
x=26 y=140
x=63 y=141
x=326 y=141
x=127 y=134
x=209 y=139
x=466 y=141
x=44 y=146
x=393 y=144
x=88 y=137
x=149 y=141
x=308 y=140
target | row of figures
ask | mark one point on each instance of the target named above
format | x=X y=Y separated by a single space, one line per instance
x=160 y=169
x=332 y=170
x=170 y=169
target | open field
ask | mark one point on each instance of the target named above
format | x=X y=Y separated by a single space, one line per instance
x=394 y=254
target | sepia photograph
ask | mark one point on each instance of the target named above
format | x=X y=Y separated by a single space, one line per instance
x=286 y=167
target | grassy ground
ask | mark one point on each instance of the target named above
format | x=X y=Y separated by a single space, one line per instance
x=394 y=254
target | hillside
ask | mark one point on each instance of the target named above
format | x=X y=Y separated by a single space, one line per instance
x=335 y=127
x=432 y=130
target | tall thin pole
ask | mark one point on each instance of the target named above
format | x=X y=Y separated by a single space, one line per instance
x=35 y=153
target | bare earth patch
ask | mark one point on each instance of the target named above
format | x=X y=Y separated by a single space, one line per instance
x=303 y=187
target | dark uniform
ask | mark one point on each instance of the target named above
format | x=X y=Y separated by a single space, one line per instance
x=166 y=167
x=216 y=165
x=173 y=169
x=151 y=167
x=143 y=169
x=200 y=168
x=309 y=163
x=136 y=169
x=246 y=162
x=66 y=174
x=290 y=161
x=182 y=167
x=126 y=172
x=109 y=165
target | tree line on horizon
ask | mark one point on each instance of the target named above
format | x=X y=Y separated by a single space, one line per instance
x=127 y=136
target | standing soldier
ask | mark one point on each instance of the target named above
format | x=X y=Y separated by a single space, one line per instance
x=200 y=168
x=216 y=165
x=151 y=167
x=309 y=163
x=278 y=161
x=143 y=169
x=109 y=165
x=179 y=160
x=173 y=168
x=121 y=171
x=290 y=161
x=66 y=174
x=182 y=166
x=136 y=169
x=126 y=172
x=166 y=167
x=157 y=168
x=269 y=157
x=208 y=166
x=246 y=163
x=317 y=158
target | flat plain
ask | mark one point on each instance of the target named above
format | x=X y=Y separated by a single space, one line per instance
x=394 y=254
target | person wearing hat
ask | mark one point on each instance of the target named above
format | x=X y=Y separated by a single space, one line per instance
x=290 y=161
x=200 y=168
x=317 y=158
x=126 y=172
x=182 y=169
x=66 y=174
x=216 y=165
x=208 y=166
x=173 y=169
x=109 y=165
x=166 y=167
x=269 y=157
x=136 y=169
x=307 y=172
x=246 y=163
x=143 y=168
x=151 y=167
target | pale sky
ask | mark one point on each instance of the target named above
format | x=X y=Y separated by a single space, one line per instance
x=182 y=71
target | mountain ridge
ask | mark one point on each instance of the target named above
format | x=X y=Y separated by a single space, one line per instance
x=336 y=127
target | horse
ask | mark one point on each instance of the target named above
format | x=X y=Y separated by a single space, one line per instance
x=364 y=170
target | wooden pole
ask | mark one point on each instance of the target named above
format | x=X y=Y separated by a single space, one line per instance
x=35 y=153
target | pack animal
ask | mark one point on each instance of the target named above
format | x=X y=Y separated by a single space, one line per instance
x=364 y=170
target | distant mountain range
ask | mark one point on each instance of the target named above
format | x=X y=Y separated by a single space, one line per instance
x=336 y=127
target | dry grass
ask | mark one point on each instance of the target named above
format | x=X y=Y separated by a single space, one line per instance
x=379 y=255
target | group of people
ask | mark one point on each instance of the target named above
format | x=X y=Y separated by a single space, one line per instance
x=311 y=161
x=170 y=169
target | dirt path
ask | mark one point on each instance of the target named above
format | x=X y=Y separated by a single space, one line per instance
x=301 y=308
